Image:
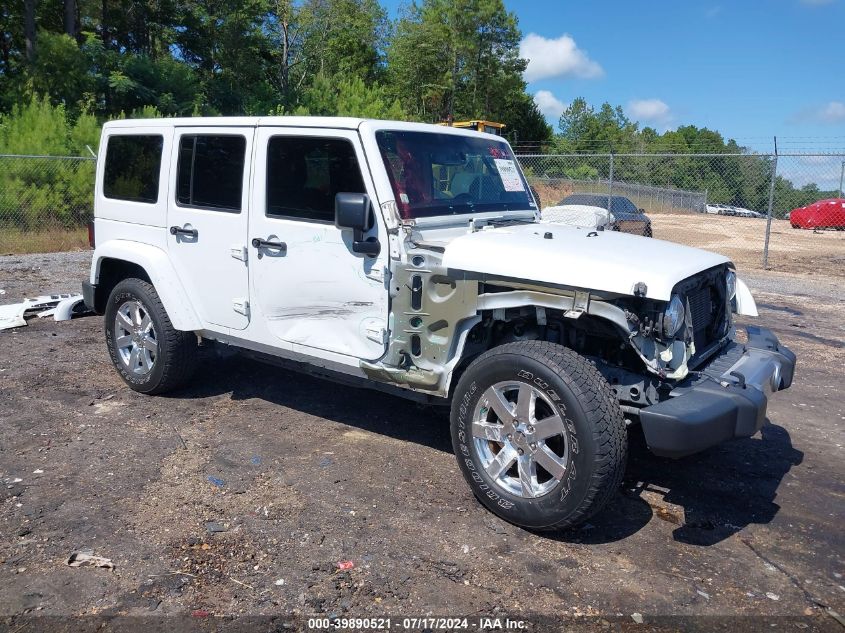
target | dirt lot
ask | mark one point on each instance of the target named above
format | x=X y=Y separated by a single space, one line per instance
x=742 y=239
x=241 y=494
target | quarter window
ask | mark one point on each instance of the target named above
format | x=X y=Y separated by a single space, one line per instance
x=305 y=174
x=133 y=165
x=211 y=172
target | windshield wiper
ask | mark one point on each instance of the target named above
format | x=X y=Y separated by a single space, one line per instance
x=510 y=221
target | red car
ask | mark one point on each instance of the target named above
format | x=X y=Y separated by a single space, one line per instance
x=824 y=214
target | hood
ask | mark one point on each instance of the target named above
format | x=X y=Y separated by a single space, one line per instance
x=593 y=260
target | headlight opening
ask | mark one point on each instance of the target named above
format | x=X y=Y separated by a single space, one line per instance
x=730 y=284
x=673 y=317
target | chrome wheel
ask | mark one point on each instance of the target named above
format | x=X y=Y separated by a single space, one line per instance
x=521 y=439
x=135 y=338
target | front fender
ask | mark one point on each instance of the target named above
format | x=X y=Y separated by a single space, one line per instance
x=163 y=276
x=744 y=302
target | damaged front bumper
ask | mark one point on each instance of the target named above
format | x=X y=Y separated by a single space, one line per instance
x=724 y=400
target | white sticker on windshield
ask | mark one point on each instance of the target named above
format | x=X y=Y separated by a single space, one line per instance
x=509 y=174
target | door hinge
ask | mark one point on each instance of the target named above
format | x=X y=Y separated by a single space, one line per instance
x=239 y=252
x=377 y=273
x=377 y=334
x=241 y=306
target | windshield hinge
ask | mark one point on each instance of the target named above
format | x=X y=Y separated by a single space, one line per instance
x=580 y=304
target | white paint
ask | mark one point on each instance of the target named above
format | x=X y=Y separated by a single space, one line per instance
x=745 y=304
x=214 y=278
x=319 y=293
x=607 y=260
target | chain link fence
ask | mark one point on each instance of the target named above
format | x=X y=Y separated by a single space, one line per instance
x=783 y=211
x=45 y=202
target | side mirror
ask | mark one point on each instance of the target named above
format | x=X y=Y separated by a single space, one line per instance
x=354 y=211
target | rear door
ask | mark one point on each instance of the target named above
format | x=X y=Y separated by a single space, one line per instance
x=207 y=220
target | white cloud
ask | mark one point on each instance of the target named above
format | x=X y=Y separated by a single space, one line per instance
x=649 y=110
x=803 y=170
x=549 y=105
x=559 y=57
x=833 y=112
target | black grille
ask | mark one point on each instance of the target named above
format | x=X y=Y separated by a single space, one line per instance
x=701 y=314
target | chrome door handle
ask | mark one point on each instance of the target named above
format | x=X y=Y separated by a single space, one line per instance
x=178 y=230
x=257 y=242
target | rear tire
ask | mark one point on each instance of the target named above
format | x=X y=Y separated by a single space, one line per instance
x=149 y=354
x=550 y=461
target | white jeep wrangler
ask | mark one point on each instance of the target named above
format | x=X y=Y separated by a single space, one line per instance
x=409 y=258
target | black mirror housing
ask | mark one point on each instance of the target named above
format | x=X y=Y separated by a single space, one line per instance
x=352 y=211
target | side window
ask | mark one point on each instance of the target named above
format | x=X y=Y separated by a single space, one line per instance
x=210 y=174
x=133 y=165
x=304 y=174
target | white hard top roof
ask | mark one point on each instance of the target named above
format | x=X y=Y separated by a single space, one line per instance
x=330 y=122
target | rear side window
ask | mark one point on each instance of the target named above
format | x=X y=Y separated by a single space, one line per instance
x=211 y=172
x=305 y=174
x=133 y=164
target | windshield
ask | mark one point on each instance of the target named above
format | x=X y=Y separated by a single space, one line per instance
x=447 y=174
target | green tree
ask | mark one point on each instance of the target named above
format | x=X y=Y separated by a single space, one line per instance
x=453 y=60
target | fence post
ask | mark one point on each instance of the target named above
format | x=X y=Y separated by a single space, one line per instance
x=771 y=204
x=610 y=184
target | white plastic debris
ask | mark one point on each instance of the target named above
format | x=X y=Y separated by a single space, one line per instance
x=637 y=617
x=61 y=307
x=87 y=557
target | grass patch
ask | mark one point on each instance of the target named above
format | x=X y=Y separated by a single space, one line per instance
x=17 y=242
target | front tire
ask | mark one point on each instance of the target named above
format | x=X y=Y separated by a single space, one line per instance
x=149 y=354
x=538 y=435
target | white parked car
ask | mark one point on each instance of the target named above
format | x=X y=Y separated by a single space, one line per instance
x=409 y=258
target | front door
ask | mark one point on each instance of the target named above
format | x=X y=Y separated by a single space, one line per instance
x=207 y=220
x=310 y=287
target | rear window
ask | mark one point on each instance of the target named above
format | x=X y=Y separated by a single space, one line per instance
x=133 y=165
x=211 y=172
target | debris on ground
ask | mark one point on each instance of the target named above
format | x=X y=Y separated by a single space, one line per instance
x=345 y=564
x=637 y=617
x=214 y=527
x=87 y=557
x=216 y=481
x=62 y=307
x=772 y=596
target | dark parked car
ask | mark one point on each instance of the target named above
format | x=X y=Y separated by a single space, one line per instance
x=627 y=218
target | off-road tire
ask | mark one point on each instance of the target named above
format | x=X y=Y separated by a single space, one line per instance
x=177 y=351
x=591 y=413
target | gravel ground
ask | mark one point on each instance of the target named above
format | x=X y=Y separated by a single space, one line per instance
x=242 y=493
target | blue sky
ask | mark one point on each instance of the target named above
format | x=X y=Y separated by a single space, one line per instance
x=750 y=69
